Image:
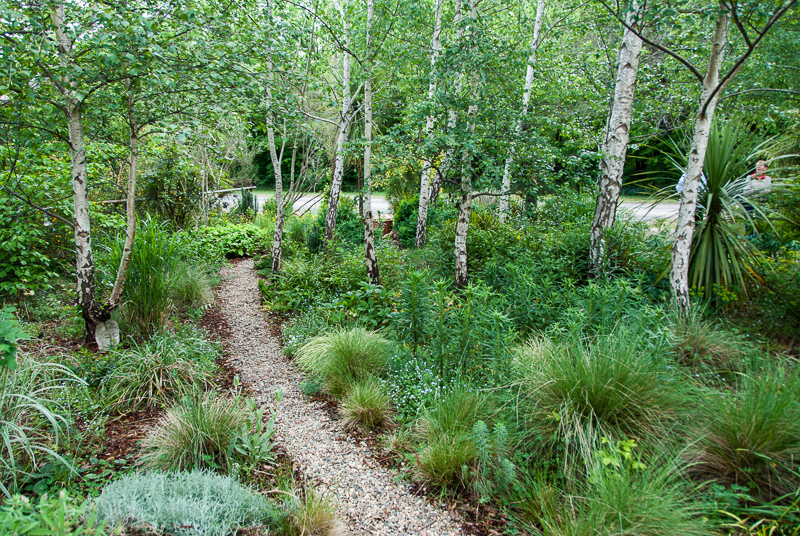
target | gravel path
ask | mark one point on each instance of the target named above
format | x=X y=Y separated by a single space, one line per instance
x=369 y=500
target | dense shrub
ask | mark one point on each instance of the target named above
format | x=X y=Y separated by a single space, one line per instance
x=405 y=219
x=197 y=503
x=232 y=241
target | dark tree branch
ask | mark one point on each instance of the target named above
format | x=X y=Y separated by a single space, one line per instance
x=653 y=44
x=37 y=207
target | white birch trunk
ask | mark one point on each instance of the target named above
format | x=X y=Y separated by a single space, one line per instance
x=370 y=256
x=84 y=261
x=526 y=100
x=425 y=183
x=615 y=143
x=452 y=114
x=681 y=250
x=130 y=216
x=344 y=125
x=465 y=208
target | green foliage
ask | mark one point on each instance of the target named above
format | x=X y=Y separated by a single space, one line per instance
x=582 y=390
x=147 y=294
x=631 y=502
x=494 y=473
x=210 y=432
x=349 y=227
x=705 y=345
x=719 y=258
x=196 y=503
x=752 y=437
x=343 y=356
x=24 y=265
x=369 y=306
x=247 y=203
x=193 y=288
x=30 y=418
x=366 y=406
x=157 y=373
x=10 y=333
x=172 y=188
x=310 y=388
x=233 y=241
x=405 y=219
x=58 y=515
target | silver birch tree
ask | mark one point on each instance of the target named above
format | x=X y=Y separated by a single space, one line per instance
x=369 y=232
x=425 y=181
x=526 y=99
x=344 y=126
x=465 y=207
x=712 y=84
x=615 y=141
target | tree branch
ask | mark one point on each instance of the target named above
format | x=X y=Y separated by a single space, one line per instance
x=686 y=63
x=37 y=207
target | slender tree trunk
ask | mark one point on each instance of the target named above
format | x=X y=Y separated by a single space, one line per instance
x=84 y=261
x=615 y=144
x=370 y=257
x=681 y=250
x=452 y=114
x=130 y=216
x=425 y=182
x=344 y=126
x=465 y=208
x=277 y=238
x=526 y=99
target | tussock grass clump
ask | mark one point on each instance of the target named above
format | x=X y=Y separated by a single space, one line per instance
x=344 y=356
x=447 y=442
x=581 y=390
x=197 y=503
x=193 y=288
x=367 y=407
x=629 y=502
x=702 y=342
x=147 y=296
x=197 y=433
x=159 y=372
x=315 y=516
x=752 y=437
x=30 y=419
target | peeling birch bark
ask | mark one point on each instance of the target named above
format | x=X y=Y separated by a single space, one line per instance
x=681 y=250
x=465 y=207
x=344 y=125
x=502 y=204
x=615 y=143
x=370 y=257
x=425 y=182
x=452 y=114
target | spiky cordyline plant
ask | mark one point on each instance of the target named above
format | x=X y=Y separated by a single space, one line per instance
x=721 y=258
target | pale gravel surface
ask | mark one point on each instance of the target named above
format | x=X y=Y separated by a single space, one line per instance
x=369 y=498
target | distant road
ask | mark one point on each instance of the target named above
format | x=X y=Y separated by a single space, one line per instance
x=310 y=203
x=643 y=210
x=646 y=210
